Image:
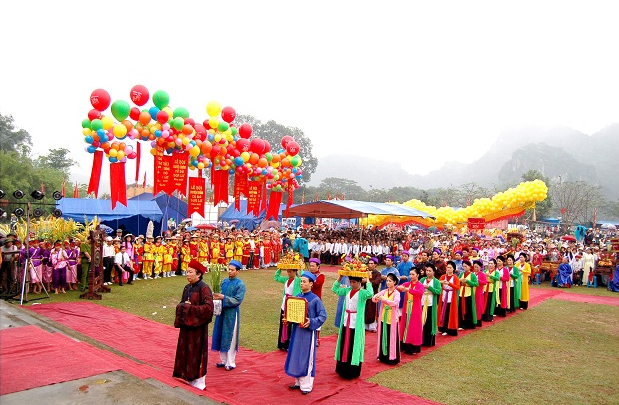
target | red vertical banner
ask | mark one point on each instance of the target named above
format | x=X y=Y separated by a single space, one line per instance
x=220 y=186
x=95 y=173
x=138 y=156
x=263 y=199
x=253 y=197
x=195 y=197
x=240 y=187
x=158 y=165
x=178 y=174
x=118 y=185
x=275 y=201
x=290 y=198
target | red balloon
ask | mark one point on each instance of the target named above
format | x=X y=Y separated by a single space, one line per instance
x=162 y=117
x=257 y=145
x=190 y=121
x=292 y=148
x=228 y=114
x=94 y=114
x=242 y=145
x=206 y=125
x=285 y=140
x=245 y=131
x=100 y=99
x=134 y=114
x=215 y=150
x=139 y=94
x=267 y=146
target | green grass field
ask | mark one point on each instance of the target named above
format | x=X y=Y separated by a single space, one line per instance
x=557 y=352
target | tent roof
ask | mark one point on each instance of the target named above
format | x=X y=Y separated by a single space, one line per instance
x=353 y=209
x=80 y=208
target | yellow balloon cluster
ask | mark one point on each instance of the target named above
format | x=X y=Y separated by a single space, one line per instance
x=510 y=202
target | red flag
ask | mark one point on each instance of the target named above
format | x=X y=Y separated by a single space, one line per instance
x=76 y=192
x=290 y=198
x=138 y=154
x=195 y=199
x=118 y=185
x=178 y=173
x=220 y=186
x=144 y=182
x=95 y=174
x=63 y=184
x=240 y=187
x=253 y=197
x=275 y=202
x=263 y=201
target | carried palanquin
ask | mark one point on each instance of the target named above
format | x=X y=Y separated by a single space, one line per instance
x=291 y=261
x=353 y=268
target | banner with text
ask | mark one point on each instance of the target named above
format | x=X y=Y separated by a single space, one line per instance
x=196 y=196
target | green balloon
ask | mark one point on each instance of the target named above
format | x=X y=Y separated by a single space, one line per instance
x=234 y=131
x=180 y=112
x=223 y=126
x=178 y=123
x=96 y=124
x=85 y=123
x=161 y=99
x=269 y=156
x=120 y=109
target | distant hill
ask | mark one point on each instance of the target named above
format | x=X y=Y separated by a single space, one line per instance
x=558 y=153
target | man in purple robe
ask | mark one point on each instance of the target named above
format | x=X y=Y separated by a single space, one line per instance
x=193 y=314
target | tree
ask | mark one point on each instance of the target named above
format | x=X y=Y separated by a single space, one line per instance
x=342 y=188
x=576 y=201
x=542 y=208
x=57 y=159
x=273 y=132
x=13 y=139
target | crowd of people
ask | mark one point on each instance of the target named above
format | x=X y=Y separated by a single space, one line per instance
x=430 y=285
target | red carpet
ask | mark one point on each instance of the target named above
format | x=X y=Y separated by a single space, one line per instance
x=258 y=379
x=31 y=357
x=591 y=299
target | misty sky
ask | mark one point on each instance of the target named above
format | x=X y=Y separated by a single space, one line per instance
x=417 y=84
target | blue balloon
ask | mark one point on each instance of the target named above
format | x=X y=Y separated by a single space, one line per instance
x=91 y=149
x=238 y=161
x=153 y=112
x=211 y=137
x=230 y=171
x=104 y=138
x=158 y=133
x=88 y=139
x=113 y=159
x=101 y=132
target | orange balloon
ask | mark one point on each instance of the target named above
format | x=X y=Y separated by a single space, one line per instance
x=171 y=144
x=275 y=159
x=206 y=147
x=285 y=162
x=262 y=163
x=128 y=125
x=253 y=158
x=144 y=118
x=187 y=129
x=151 y=137
x=122 y=146
x=146 y=132
x=160 y=141
x=114 y=146
x=222 y=151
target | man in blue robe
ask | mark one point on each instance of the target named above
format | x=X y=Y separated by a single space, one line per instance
x=226 y=329
x=301 y=357
x=613 y=285
x=388 y=269
x=564 y=278
x=404 y=269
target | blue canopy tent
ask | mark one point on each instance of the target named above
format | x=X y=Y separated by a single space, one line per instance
x=241 y=219
x=133 y=218
x=171 y=207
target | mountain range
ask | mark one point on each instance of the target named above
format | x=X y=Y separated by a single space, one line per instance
x=560 y=153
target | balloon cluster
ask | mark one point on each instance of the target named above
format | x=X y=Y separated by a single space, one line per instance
x=215 y=141
x=523 y=196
